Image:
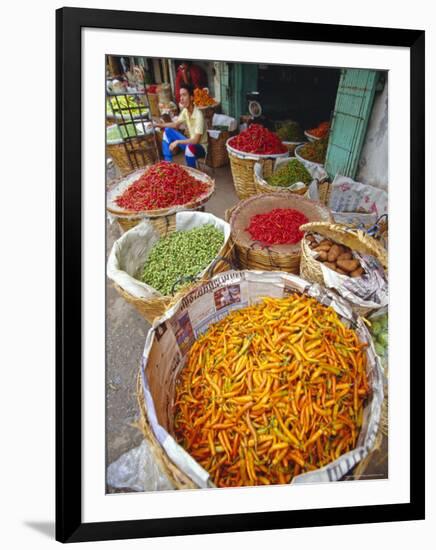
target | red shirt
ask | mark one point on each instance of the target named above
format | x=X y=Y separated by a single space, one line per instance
x=196 y=76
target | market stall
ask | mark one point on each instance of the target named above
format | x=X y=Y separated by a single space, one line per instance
x=265 y=283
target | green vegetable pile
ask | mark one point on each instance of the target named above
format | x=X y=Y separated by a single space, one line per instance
x=289 y=130
x=315 y=151
x=290 y=173
x=115 y=105
x=379 y=331
x=114 y=133
x=181 y=254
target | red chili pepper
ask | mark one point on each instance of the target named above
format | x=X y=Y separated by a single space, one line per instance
x=279 y=226
x=256 y=139
x=164 y=184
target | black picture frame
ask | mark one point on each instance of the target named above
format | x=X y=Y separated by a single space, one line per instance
x=69 y=525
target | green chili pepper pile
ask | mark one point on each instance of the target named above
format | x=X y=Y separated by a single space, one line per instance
x=315 y=151
x=289 y=173
x=289 y=130
x=181 y=254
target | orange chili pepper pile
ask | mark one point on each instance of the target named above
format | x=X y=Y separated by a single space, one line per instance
x=202 y=98
x=271 y=391
x=321 y=130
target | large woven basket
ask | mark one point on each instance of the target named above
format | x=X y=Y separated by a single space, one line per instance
x=169 y=466
x=163 y=219
x=136 y=153
x=242 y=166
x=217 y=154
x=262 y=187
x=283 y=257
x=177 y=478
x=356 y=239
x=154 y=307
x=162 y=224
x=243 y=176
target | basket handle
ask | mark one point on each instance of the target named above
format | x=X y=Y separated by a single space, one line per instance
x=212 y=266
x=182 y=279
x=374 y=230
x=209 y=273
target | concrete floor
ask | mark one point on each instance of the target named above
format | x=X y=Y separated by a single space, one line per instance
x=126 y=331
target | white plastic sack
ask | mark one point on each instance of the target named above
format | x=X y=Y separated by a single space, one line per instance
x=354 y=202
x=166 y=348
x=130 y=252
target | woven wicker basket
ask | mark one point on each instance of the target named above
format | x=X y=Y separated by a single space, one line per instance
x=310 y=269
x=217 y=154
x=243 y=174
x=153 y=100
x=242 y=166
x=163 y=219
x=138 y=153
x=261 y=187
x=284 y=257
x=154 y=307
x=175 y=474
x=163 y=224
x=177 y=478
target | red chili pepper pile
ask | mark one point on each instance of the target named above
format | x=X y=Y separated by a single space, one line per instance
x=258 y=140
x=164 y=184
x=279 y=226
x=152 y=88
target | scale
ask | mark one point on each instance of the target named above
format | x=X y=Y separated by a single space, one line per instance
x=258 y=109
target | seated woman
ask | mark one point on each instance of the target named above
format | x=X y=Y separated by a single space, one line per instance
x=192 y=117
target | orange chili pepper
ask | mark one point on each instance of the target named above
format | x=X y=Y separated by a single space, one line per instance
x=279 y=359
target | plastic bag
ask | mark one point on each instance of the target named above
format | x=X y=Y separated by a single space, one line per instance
x=137 y=470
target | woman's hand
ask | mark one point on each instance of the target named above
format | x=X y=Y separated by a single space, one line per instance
x=174 y=145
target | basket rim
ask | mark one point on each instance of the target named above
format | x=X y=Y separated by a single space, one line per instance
x=302 y=159
x=251 y=156
x=311 y=136
x=170 y=209
x=262 y=183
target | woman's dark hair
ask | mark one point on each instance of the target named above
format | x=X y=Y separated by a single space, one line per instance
x=188 y=87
